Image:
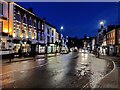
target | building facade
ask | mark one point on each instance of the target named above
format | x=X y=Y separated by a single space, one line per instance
x=113 y=37
x=5 y=37
x=49 y=33
x=23 y=29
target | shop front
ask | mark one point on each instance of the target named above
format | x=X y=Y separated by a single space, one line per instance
x=16 y=46
x=41 y=48
x=33 y=47
x=112 y=50
x=51 y=48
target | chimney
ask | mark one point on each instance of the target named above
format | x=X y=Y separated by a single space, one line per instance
x=30 y=9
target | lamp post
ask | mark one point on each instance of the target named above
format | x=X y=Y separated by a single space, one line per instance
x=61 y=37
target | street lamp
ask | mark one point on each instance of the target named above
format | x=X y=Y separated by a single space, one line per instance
x=101 y=23
x=61 y=28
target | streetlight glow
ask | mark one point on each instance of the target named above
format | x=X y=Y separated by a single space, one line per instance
x=101 y=23
x=61 y=28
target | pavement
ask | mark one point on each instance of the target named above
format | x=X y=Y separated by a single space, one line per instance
x=111 y=80
x=28 y=58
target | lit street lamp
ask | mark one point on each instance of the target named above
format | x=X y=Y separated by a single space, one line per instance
x=61 y=28
x=101 y=23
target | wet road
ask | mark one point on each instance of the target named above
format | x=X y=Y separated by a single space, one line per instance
x=73 y=70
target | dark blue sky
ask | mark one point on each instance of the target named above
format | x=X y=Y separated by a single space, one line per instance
x=77 y=18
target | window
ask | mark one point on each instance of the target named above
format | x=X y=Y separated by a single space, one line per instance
x=52 y=32
x=29 y=34
x=1 y=9
x=41 y=36
x=42 y=26
x=52 y=40
x=17 y=33
x=39 y=25
x=35 y=35
x=24 y=19
x=30 y=21
x=48 y=31
x=48 y=39
x=17 y=16
x=35 y=24
x=24 y=33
